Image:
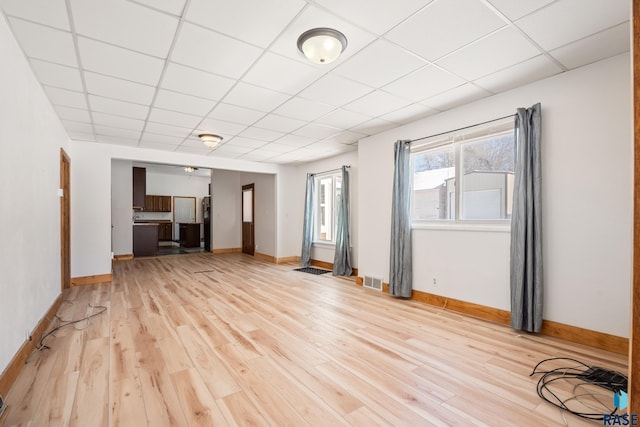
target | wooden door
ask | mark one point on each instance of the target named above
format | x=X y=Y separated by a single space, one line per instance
x=65 y=220
x=248 y=232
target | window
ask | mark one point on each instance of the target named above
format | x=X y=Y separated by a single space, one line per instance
x=466 y=177
x=328 y=190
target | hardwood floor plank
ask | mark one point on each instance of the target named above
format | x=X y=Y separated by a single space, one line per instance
x=204 y=339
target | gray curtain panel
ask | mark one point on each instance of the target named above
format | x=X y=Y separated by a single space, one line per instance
x=400 y=265
x=526 y=225
x=307 y=228
x=342 y=257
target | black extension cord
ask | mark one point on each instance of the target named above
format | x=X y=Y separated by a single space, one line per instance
x=607 y=379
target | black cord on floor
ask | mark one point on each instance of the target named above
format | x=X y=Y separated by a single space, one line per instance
x=607 y=379
x=41 y=346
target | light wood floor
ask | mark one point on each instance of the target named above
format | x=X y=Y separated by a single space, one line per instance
x=196 y=340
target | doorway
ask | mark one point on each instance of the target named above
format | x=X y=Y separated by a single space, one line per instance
x=248 y=231
x=65 y=220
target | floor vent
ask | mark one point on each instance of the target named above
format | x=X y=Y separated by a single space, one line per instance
x=372 y=283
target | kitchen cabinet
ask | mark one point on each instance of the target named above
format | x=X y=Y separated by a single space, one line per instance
x=154 y=203
x=190 y=234
x=139 y=188
x=165 y=231
x=145 y=239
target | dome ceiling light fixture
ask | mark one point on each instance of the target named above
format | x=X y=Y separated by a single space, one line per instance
x=190 y=169
x=209 y=139
x=322 y=45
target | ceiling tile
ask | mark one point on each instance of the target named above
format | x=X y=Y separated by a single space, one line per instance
x=248 y=143
x=168 y=130
x=202 y=150
x=409 y=114
x=380 y=16
x=75 y=114
x=231 y=113
x=279 y=123
x=71 y=126
x=232 y=57
x=377 y=103
x=258 y=155
x=175 y=101
x=48 y=12
x=595 y=48
x=317 y=131
x=153 y=145
x=295 y=140
x=281 y=74
x=116 y=140
x=174 y=7
x=119 y=62
x=125 y=24
x=195 y=82
x=57 y=75
x=440 y=28
x=225 y=154
x=174 y=118
x=423 y=83
x=343 y=119
x=118 y=108
x=335 y=90
x=254 y=21
x=379 y=63
x=457 y=96
x=374 y=126
x=302 y=109
x=220 y=127
x=258 y=98
x=235 y=148
x=117 y=121
x=116 y=132
x=500 y=50
x=67 y=98
x=531 y=70
x=117 y=88
x=566 y=21
x=345 y=137
x=517 y=9
x=277 y=148
x=45 y=43
x=313 y=17
x=149 y=138
x=261 y=134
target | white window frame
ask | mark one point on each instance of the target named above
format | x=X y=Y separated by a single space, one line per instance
x=317 y=212
x=457 y=140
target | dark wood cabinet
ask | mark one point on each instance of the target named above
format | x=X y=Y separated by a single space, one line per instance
x=165 y=231
x=190 y=235
x=154 y=203
x=139 y=188
x=145 y=240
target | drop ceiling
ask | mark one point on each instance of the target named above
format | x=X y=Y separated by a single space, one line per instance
x=155 y=73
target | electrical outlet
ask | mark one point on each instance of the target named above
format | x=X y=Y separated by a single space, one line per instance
x=435 y=282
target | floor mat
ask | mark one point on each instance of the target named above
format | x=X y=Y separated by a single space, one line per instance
x=312 y=270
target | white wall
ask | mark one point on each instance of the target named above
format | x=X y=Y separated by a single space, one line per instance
x=290 y=209
x=91 y=201
x=226 y=224
x=31 y=137
x=587 y=202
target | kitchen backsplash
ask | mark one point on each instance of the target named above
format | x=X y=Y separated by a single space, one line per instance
x=153 y=215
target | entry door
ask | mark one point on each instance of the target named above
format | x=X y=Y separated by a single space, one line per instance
x=248 y=240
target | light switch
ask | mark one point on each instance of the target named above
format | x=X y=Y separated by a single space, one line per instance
x=60 y=192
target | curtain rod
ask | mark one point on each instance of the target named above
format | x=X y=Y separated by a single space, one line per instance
x=332 y=170
x=462 y=128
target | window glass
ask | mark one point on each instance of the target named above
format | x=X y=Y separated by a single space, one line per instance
x=326 y=207
x=434 y=175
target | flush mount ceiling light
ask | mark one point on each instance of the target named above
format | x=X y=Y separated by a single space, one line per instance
x=322 y=45
x=209 y=139
x=190 y=169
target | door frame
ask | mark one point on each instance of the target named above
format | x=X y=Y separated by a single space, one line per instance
x=251 y=230
x=65 y=220
x=634 y=337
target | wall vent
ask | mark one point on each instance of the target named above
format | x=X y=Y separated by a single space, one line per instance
x=372 y=283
